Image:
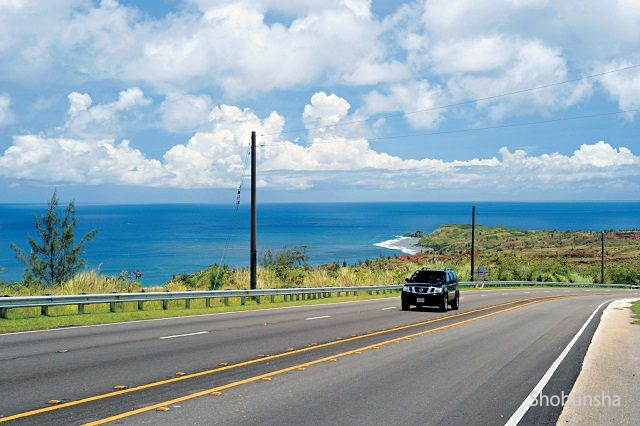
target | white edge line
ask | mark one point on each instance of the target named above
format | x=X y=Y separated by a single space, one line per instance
x=390 y=307
x=533 y=395
x=184 y=335
x=315 y=318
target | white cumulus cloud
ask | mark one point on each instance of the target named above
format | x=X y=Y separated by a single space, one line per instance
x=184 y=112
x=216 y=157
x=624 y=87
x=82 y=114
x=6 y=115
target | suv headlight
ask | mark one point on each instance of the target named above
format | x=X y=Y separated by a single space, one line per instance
x=437 y=290
x=406 y=288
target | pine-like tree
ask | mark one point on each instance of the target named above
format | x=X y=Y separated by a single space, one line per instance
x=54 y=259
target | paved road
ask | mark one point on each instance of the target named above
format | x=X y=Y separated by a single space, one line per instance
x=476 y=364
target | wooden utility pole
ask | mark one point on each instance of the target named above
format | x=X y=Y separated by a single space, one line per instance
x=254 y=275
x=473 y=239
x=602 y=258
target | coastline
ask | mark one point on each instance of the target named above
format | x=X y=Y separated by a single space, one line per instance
x=407 y=245
x=169 y=239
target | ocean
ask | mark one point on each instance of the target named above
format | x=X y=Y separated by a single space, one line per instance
x=161 y=240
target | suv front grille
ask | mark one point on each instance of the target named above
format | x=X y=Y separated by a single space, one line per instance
x=423 y=290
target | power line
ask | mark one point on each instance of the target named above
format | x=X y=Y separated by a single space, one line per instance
x=469 y=102
x=474 y=129
x=235 y=213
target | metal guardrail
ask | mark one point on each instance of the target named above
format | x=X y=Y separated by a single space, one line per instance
x=483 y=284
x=288 y=294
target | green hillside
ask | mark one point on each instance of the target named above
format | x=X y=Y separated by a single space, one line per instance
x=512 y=254
x=496 y=239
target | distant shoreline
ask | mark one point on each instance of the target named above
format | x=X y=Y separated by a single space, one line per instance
x=406 y=245
x=162 y=240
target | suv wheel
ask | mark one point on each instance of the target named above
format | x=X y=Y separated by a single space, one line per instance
x=444 y=305
x=456 y=302
x=405 y=306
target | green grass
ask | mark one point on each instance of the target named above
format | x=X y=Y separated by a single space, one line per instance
x=635 y=308
x=27 y=319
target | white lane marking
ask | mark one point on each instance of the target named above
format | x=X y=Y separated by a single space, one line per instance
x=546 y=291
x=315 y=318
x=503 y=294
x=483 y=295
x=533 y=395
x=249 y=312
x=390 y=307
x=184 y=335
x=527 y=292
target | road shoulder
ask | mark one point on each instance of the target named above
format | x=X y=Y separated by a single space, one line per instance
x=611 y=369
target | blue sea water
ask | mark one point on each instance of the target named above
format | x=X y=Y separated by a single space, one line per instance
x=163 y=240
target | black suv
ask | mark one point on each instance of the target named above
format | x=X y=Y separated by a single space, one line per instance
x=431 y=287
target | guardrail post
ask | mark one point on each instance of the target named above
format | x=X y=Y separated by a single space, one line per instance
x=165 y=305
x=338 y=294
x=242 y=300
x=187 y=303
x=207 y=302
x=140 y=305
x=4 y=313
x=80 y=308
x=273 y=298
x=44 y=310
x=112 y=305
x=226 y=301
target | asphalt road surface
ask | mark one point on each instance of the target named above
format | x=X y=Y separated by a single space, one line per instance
x=364 y=362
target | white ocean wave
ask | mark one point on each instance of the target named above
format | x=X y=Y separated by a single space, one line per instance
x=406 y=245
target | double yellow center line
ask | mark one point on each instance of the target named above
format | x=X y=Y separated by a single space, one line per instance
x=518 y=303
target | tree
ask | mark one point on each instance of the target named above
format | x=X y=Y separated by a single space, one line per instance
x=285 y=261
x=54 y=259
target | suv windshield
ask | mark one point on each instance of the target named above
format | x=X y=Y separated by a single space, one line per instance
x=437 y=277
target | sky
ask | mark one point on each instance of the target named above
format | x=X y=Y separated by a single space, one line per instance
x=352 y=100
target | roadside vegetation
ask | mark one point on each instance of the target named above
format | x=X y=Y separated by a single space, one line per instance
x=635 y=308
x=54 y=257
